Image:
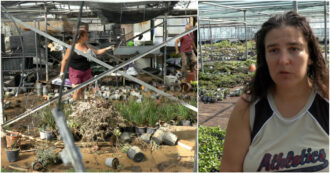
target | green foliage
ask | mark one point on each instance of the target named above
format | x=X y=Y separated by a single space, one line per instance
x=210 y=141
x=149 y=112
x=47 y=155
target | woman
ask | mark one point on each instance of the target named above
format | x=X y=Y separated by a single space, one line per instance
x=79 y=67
x=281 y=123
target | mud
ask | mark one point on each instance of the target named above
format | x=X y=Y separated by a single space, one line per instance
x=167 y=158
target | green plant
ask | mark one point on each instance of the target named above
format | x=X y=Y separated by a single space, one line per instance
x=47 y=155
x=46 y=119
x=210 y=141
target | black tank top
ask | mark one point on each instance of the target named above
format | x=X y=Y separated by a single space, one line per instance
x=79 y=62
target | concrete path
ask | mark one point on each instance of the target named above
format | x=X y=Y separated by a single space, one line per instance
x=215 y=114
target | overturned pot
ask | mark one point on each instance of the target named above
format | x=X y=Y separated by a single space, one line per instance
x=112 y=162
x=170 y=138
x=135 y=153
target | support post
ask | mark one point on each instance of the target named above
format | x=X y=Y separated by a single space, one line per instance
x=245 y=35
x=37 y=50
x=200 y=45
x=165 y=47
x=46 y=44
x=295 y=6
x=325 y=31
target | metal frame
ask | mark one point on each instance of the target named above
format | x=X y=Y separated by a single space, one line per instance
x=111 y=69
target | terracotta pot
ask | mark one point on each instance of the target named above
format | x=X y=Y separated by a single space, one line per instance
x=13 y=138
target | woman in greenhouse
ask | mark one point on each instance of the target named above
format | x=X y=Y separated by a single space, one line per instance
x=281 y=123
x=79 y=67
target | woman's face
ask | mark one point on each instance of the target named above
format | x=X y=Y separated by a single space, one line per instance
x=287 y=56
x=84 y=38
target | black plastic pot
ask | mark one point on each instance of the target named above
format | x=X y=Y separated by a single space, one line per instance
x=12 y=155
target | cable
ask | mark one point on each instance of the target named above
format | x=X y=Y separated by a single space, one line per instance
x=69 y=59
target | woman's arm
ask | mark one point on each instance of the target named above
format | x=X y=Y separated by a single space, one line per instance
x=237 y=139
x=101 y=51
x=64 y=60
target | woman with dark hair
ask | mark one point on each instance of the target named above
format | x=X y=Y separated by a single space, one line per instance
x=79 y=67
x=281 y=123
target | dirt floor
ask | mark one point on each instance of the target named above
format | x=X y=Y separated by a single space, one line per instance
x=215 y=114
x=165 y=159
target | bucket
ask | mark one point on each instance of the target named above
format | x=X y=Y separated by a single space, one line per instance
x=140 y=130
x=12 y=155
x=46 y=135
x=44 y=90
x=135 y=154
x=13 y=138
x=112 y=162
x=39 y=85
x=191 y=77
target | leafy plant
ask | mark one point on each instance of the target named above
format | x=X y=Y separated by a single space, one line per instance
x=47 y=155
x=210 y=141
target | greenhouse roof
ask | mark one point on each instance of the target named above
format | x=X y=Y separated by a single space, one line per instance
x=229 y=13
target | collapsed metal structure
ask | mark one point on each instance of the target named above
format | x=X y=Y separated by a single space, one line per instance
x=111 y=69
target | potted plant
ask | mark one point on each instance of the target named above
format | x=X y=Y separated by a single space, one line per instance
x=46 y=123
x=13 y=151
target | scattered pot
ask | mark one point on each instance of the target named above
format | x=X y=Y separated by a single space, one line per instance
x=146 y=137
x=125 y=137
x=13 y=138
x=170 y=139
x=48 y=135
x=151 y=129
x=112 y=162
x=140 y=130
x=135 y=153
x=185 y=122
x=158 y=136
x=12 y=154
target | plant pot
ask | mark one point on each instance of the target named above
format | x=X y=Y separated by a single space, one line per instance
x=112 y=162
x=135 y=154
x=140 y=130
x=13 y=138
x=151 y=130
x=170 y=139
x=48 y=135
x=146 y=137
x=185 y=122
x=12 y=155
x=125 y=137
x=158 y=136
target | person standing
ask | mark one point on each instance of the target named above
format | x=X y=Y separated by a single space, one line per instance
x=79 y=67
x=186 y=49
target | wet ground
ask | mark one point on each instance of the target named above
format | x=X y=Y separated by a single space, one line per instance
x=165 y=159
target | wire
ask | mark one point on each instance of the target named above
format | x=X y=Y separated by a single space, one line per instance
x=69 y=59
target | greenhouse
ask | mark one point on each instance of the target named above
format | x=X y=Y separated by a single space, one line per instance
x=95 y=86
x=227 y=60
